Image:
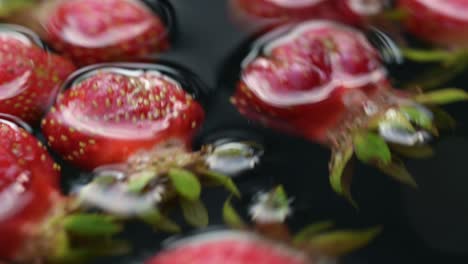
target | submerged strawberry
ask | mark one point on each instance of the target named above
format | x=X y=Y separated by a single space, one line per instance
x=35 y=221
x=325 y=82
x=30 y=77
x=441 y=22
x=274 y=12
x=110 y=113
x=89 y=31
x=315 y=244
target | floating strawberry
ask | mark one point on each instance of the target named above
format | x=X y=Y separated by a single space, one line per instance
x=37 y=223
x=109 y=113
x=441 y=22
x=443 y=25
x=275 y=12
x=324 y=81
x=89 y=31
x=30 y=77
x=314 y=244
x=134 y=124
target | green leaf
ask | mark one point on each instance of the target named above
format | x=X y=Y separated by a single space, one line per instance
x=91 y=225
x=312 y=230
x=393 y=119
x=442 y=119
x=278 y=197
x=338 y=243
x=418 y=116
x=231 y=217
x=138 y=182
x=105 y=180
x=397 y=170
x=436 y=76
x=444 y=96
x=7 y=7
x=427 y=56
x=370 y=147
x=185 y=183
x=222 y=180
x=338 y=180
x=394 y=14
x=195 y=212
x=160 y=221
x=415 y=152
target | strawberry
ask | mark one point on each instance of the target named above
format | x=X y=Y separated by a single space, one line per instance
x=111 y=113
x=30 y=76
x=277 y=12
x=441 y=22
x=314 y=244
x=324 y=81
x=35 y=219
x=89 y=31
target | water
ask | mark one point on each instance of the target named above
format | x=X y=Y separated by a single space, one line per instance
x=429 y=224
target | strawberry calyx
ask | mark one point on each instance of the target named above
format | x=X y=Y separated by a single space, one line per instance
x=69 y=235
x=10 y=6
x=383 y=131
x=269 y=212
x=151 y=182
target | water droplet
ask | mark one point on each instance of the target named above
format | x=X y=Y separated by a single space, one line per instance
x=233 y=158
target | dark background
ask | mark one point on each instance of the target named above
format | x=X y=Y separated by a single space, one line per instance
x=429 y=225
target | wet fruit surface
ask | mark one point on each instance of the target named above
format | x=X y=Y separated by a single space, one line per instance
x=30 y=77
x=89 y=31
x=112 y=113
x=28 y=185
x=441 y=22
x=229 y=247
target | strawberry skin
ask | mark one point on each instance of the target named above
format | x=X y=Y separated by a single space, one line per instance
x=441 y=22
x=111 y=114
x=307 y=80
x=230 y=248
x=277 y=12
x=30 y=77
x=90 y=31
x=28 y=187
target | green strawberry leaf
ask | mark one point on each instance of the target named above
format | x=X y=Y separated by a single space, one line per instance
x=231 y=217
x=441 y=97
x=221 y=179
x=185 y=183
x=442 y=119
x=91 y=225
x=397 y=170
x=160 y=221
x=419 y=117
x=195 y=212
x=338 y=243
x=414 y=152
x=7 y=7
x=339 y=179
x=428 y=56
x=312 y=230
x=370 y=147
x=140 y=181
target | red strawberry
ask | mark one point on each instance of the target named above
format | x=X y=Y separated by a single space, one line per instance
x=229 y=247
x=274 y=12
x=442 y=22
x=112 y=113
x=89 y=31
x=35 y=220
x=30 y=77
x=325 y=82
